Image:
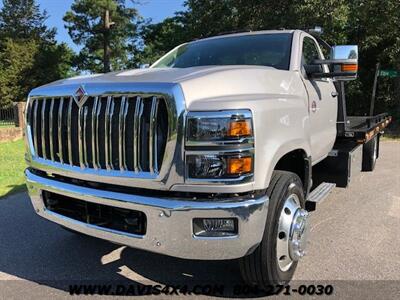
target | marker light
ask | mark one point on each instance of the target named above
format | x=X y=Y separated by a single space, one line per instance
x=239 y=128
x=239 y=165
x=349 y=68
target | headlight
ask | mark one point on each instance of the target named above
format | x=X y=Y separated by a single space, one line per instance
x=223 y=166
x=218 y=127
x=219 y=146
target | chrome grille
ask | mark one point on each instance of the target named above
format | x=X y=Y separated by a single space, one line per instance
x=125 y=133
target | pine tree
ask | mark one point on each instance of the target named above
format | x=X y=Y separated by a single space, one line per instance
x=107 y=29
x=22 y=19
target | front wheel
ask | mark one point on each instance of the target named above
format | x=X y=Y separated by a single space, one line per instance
x=274 y=261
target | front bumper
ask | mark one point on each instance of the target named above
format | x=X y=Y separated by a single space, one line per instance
x=169 y=221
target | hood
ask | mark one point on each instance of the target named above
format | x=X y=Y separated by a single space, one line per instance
x=156 y=75
x=197 y=83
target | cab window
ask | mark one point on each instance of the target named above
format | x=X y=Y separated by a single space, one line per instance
x=310 y=53
x=270 y=49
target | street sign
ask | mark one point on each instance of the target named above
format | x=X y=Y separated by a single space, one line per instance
x=389 y=73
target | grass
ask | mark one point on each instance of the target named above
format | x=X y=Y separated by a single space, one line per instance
x=6 y=125
x=12 y=165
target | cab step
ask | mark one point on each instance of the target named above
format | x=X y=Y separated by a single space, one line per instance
x=319 y=194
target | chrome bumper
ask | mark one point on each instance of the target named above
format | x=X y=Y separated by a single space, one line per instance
x=169 y=221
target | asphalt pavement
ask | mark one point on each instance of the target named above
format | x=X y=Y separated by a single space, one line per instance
x=354 y=246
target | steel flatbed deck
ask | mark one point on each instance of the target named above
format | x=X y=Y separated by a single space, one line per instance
x=362 y=129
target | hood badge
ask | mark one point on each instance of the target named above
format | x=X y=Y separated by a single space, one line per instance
x=80 y=96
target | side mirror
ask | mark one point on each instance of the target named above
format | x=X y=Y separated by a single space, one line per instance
x=144 y=66
x=311 y=70
x=343 y=64
x=344 y=52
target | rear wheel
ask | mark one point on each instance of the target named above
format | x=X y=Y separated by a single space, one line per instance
x=370 y=154
x=275 y=259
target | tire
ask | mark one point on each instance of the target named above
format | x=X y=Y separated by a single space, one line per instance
x=261 y=267
x=370 y=154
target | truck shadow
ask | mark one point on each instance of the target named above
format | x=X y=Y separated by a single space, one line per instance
x=38 y=251
x=14 y=188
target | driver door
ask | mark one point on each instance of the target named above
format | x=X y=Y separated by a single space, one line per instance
x=322 y=102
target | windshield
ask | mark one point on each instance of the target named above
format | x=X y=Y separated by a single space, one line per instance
x=271 y=49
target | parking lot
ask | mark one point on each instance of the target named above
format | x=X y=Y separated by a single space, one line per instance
x=354 y=245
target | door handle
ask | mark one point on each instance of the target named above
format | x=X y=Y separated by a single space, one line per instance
x=334 y=94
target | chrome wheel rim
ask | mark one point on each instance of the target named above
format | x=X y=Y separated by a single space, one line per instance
x=292 y=233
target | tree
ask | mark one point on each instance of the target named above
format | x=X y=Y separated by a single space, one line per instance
x=375 y=26
x=156 y=40
x=204 y=18
x=107 y=29
x=372 y=24
x=26 y=64
x=52 y=62
x=22 y=19
x=29 y=55
x=16 y=60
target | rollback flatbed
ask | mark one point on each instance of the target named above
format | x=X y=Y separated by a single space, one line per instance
x=356 y=147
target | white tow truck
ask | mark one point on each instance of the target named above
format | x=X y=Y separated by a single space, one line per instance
x=219 y=150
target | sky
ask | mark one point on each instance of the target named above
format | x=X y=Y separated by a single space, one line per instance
x=157 y=10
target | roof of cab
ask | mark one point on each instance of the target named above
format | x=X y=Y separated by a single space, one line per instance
x=247 y=33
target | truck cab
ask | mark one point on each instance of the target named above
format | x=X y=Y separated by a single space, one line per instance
x=207 y=154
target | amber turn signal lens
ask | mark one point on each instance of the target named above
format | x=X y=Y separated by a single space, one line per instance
x=239 y=128
x=349 y=68
x=239 y=165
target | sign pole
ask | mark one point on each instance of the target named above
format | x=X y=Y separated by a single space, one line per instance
x=371 y=109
